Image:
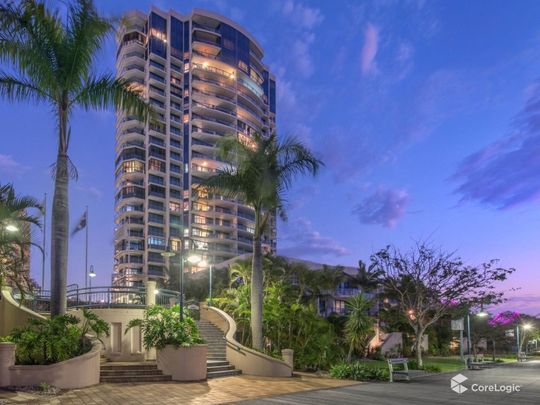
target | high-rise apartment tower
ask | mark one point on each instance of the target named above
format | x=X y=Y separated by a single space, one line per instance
x=204 y=76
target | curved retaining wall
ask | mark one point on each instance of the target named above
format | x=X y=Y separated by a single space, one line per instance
x=13 y=315
x=78 y=372
x=250 y=361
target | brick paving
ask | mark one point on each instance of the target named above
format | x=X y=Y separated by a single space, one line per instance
x=216 y=391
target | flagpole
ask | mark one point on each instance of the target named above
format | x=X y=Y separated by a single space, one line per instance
x=44 y=242
x=86 y=253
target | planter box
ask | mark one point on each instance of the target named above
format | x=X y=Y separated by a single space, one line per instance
x=78 y=372
x=183 y=363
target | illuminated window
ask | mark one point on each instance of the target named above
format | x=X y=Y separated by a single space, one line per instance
x=186 y=68
x=242 y=65
x=186 y=118
x=174 y=207
x=175 y=244
x=199 y=220
x=156 y=165
x=133 y=167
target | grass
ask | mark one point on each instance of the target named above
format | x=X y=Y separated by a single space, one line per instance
x=446 y=364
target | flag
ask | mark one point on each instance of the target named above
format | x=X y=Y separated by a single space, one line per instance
x=81 y=224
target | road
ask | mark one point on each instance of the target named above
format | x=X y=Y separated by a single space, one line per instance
x=434 y=389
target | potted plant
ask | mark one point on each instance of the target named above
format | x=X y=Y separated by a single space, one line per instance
x=180 y=349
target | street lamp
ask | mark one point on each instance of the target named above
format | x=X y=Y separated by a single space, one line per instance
x=192 y=258
x=11 y=228
x=203 y=264
x=91 y=275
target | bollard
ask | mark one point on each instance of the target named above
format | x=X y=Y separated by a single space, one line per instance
x=288 y=357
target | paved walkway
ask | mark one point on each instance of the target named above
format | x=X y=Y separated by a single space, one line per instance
x=434 y=389
x=214 y=391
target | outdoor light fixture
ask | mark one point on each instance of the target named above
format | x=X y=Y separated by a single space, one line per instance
x=203 y=263
x=194 y=258
x=92 y=273
x=11 y=228
x=482 y=313
x=156 y=291
x=527 y=326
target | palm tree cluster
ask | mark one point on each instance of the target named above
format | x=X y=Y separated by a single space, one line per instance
x=15 y=237
x=262 y=171
x=51 y=59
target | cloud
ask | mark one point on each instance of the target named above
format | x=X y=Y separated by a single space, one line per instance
x=300 y=239
x=301 y=53
x=385 y=207
x=11 y=166
x=505 y=174
x=525 y=303
x=369 y=50
x=306 y=17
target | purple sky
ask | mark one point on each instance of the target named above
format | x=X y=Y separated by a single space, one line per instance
x=427 y=115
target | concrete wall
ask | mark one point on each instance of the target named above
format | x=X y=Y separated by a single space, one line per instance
x=121 y=346
x=79 y=372
x=13 y=315
x=183 y=363
x=392 y=343
x=250 y=361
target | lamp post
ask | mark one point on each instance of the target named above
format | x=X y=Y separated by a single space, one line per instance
x=481 y=314
x=91 y=275
x=203 y=264
x=192 y=258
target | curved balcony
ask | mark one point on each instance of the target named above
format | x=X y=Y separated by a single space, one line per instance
x=214 y=124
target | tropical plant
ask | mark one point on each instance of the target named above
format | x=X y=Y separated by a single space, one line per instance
x=47 y=341
x=15 y=237
x=52 y=58
x=162 y=326
x=262 y=171
x=359 y=325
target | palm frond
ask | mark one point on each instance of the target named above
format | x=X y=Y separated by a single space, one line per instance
x=21 y=89
x=107 y=91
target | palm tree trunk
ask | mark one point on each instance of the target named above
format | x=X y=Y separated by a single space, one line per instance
x=257 y=287
x=60 y=226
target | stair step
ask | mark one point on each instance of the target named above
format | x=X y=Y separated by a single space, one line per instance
x=114 y=373
x=212 y=363
x=219 y=368
x=227 y=373
x=131 y=379
x=105 y=367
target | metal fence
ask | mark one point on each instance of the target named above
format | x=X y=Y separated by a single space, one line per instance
x=98 y=297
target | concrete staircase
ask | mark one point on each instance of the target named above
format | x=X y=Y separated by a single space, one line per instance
x=130 y=372
x=216 y=364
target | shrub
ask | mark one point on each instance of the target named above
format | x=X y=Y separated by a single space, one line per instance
x=47 y=341
x=162 y=326
x=358 y=371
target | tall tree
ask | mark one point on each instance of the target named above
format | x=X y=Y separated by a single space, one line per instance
x=50 y=60
x=429 y=283
x=261 y=173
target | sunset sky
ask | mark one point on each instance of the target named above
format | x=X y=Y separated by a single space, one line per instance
x=426 y=113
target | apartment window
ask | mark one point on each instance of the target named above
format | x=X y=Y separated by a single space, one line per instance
x=156 y=205
x=158 y=166
x=339 y=306
x=175 y=143
x=242 y=65
x=199 y=220
x=174 y=207
x=156 y=179
x=155 y=257
x=157 y=141
x=155 y=218
x=176 y=168
x=133 y=167
x=155 y=231
x=153 y=241
x=175 y=181
x=175 y=156
x=175 y=220
x=200 y=232
x=157 y=191
x=175 y=194
x=175 y=244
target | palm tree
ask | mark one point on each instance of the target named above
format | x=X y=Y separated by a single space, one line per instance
x=262 y=171
x=52 y=59
x=359 y=324
x=15 y=240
